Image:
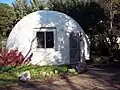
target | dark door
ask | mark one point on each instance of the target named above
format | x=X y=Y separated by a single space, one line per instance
x=74 y=48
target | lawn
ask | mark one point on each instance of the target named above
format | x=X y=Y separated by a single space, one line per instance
x=96 y=78
x=9 y=75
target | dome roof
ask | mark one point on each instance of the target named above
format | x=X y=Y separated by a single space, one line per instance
x=25 y=30
x=46 y=18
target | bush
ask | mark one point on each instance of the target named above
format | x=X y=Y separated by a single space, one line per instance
x=13 y=58
x=99 y=59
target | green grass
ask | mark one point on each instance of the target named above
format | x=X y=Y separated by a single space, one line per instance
x=9 y=75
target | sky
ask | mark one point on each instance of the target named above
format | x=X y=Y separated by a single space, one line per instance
x=12 y=1
x=7 y=1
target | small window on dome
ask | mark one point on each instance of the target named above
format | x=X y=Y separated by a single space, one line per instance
x=40 y=40
x=45 y=39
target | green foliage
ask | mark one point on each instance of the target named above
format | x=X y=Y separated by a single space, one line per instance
x=34 y=69
x=22 y=8
x=7 y=79
x=9 y=74
x=87 y=13
x=72 y=70
x=98 y=60
x=36 y=5
x=9 y=15
x=6 y=18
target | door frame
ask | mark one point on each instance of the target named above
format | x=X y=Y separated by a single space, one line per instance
x=77 y=58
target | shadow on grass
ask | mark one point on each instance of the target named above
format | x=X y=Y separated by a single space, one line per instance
x=108 y=77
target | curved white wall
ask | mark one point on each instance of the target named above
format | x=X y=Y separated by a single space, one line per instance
x=25 y=31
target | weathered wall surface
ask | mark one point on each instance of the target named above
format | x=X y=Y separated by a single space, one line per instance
x=25 y=32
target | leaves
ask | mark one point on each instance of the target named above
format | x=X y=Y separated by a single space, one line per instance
x=13 y=58
x=22 y=8
x=6 y=18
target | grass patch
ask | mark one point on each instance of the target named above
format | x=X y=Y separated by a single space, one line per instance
x=9 y=75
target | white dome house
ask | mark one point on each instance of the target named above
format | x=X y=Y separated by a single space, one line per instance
x=53 y=37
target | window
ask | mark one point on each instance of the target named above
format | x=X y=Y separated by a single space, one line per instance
x=49 y=40
x=45 y=39
x=40 y=40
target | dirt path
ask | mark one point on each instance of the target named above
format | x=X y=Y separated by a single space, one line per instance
x=93 y=79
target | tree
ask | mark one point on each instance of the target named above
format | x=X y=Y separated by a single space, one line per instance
x=107 y=41
x=87 y=13
x=112 y=9
x=37 y=5
x=6 y=18
x=22 y=8
x=99 y=19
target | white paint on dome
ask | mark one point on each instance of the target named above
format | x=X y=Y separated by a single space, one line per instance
x=25 y=31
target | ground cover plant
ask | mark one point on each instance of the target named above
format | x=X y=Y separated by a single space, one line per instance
x=9 y=74
x=13 y=58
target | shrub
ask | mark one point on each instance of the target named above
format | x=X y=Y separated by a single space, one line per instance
x=13 y=58
x=98 y=60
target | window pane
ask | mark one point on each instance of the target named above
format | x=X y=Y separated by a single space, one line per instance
x=40 y=40
x=49 y=39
